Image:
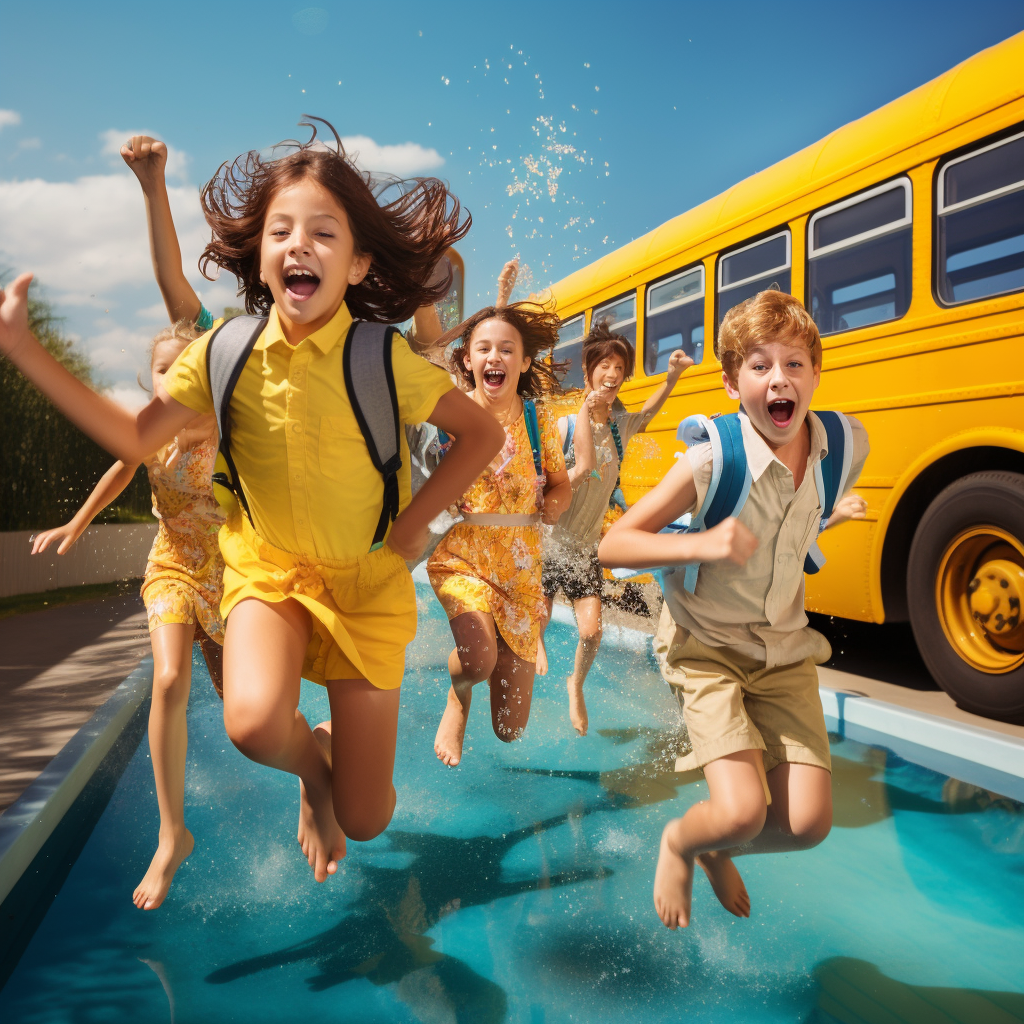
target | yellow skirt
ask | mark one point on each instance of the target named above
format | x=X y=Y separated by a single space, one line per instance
x=363 y=611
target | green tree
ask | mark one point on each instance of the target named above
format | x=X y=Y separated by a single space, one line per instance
x=47 y=465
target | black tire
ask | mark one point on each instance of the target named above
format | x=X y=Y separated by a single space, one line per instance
x=993 y=499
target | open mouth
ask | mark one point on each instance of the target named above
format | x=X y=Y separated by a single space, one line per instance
x=300 y=283
x=781 y=411
x=494 y=378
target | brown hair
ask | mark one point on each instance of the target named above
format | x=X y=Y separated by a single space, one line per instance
x=769 y=316
x=405 y=237
x=600 y=344
x=538 y=329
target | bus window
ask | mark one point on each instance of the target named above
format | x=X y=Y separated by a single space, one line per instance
x=859 y=253
x=980 y=213
x=675 y=319
x=750 y=269
x=620 y=316
x=569 y=349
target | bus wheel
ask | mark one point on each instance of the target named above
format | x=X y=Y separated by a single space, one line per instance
x=965 y=586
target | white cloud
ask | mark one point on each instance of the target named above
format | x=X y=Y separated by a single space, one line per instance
x=131 y=396
x=9 y=117
x=31 y=143
x=86 y=239
x=114 y=138
x=405 y=158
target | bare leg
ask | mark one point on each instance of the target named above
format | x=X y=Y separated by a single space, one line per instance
x=800 y=815
x=168 y=741
x=213 y=655
x=734 y=814
x=511 y=693
x=542 y=651
x=263 y=652
x=363 y=737
x=588 y=622
x=470 y=663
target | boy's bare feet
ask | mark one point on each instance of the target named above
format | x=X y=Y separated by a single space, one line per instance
x=577 y=706
x=452 y=730
x=726 y=881
x=673 y=880
x=320 y=835
x=171 y=850
x=541 y=666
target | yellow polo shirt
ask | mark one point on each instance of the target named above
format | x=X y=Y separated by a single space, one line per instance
x=301 y=458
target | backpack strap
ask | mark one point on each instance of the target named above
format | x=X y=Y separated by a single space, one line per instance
x=370 y=383
x=226 y=354
x=730 y=475
x=533 y=431
x=570 y=433
x=830 y=476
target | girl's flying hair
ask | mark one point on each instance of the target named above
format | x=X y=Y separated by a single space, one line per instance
x=536 y=326
x=405 y=236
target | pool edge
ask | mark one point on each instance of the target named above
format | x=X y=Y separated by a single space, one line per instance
x=27 y=824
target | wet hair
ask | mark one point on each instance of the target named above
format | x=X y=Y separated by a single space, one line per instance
x=769 y=316
x=182 y=333
x=538 y=329
x=600 y=344
x=404 y=226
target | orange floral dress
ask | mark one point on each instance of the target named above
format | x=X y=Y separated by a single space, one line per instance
x=184 y=579
x=496 y=569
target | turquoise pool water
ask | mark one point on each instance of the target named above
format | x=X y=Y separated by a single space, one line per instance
x=518 y=887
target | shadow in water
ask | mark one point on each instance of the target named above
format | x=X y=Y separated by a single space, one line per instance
x=857 y=992
x=383 y=937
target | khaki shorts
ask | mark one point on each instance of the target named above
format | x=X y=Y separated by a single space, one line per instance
x=731 y=702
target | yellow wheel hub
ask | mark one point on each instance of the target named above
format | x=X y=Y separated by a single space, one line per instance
x=979 y=589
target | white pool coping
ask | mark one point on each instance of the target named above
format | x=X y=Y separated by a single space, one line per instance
x=30 y=820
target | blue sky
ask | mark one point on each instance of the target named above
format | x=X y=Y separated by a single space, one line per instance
x=625 y=114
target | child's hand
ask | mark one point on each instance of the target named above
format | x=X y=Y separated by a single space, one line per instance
x=66 y=534
x=677 y=363
x=147 y=157
x=729 y=541
x=14 y=314
x=507 y=281
x=594 y=399
x=849 y=506
x=408 y=541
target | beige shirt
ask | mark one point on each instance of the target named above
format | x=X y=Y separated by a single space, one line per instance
x=580 y=525
x=758 y=609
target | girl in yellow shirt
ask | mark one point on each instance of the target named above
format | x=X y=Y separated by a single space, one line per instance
x=308 y=241
x=486 y=571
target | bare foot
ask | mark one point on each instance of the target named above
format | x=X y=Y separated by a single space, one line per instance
x=452 y=730
x=541 y=665
x=320 y=835
x=726 y=881
x=577 y=707
x=170 y=852
x=673 y=880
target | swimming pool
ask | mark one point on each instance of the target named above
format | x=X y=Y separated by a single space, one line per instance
x=518 y=887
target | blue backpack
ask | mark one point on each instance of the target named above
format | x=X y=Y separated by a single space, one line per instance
x=730 y=481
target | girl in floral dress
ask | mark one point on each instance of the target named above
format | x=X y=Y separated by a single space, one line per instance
x=486 y=571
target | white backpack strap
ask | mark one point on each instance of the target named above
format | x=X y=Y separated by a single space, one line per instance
x=840 y=435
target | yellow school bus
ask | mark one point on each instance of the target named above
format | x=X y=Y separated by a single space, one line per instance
x=903 y=234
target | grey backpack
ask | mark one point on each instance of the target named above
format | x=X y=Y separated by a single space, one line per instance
x=369 y=382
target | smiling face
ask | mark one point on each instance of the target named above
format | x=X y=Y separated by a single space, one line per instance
x=775 y=382
x=607 y=376
x=308 y=257
x=496 y=359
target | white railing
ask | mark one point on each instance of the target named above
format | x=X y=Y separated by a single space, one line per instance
x=102 y=554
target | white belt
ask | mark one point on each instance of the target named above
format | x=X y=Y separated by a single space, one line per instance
x=500 y=519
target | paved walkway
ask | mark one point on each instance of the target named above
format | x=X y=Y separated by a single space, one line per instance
x=57 y=666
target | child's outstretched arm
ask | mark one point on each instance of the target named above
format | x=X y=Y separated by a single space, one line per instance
x=678 y=363
x=147 y=157
x=507 y=281
x=478 y=438
x=849 y=506
x=584 y=452
x=127 y=436
x=110 y=485
x=557 y=496
x=635 y=543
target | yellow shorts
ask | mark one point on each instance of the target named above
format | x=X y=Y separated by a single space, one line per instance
x=170 y=599
x=732 y=702
x=363 y=611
